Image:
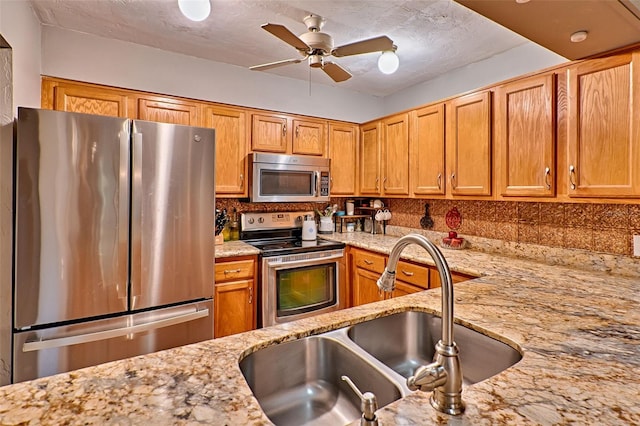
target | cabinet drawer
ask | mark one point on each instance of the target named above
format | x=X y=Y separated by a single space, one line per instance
x=413 y=274
x=234 y=270
x=370 y=261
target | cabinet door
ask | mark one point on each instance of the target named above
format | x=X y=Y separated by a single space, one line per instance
x=469 y=144
x=167 y=110
x=403 y=288
x=309 y=137
x=426 y=150
x=370 y=156
x=525 y=137
x=234 y=308
x=231 y=149
x=269 y=133
x=456 y=277
x=604 y=130
x=395 y=179
x=91 y=100
x=343 y=152
x=364 y=288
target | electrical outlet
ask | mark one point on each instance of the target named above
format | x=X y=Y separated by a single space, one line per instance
x=636 y=245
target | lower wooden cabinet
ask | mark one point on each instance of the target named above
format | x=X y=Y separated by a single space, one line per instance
x=235 y=296
x=366 y=267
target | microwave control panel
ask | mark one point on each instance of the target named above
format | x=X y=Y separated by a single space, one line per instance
x=324 y=184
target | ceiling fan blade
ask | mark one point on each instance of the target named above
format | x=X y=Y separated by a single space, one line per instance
x=336 y=72
x=276 y=64
x=376 y=44
x=287 y=36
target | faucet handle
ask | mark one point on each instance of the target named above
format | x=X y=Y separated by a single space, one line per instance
x=428 y=377
x=368 y=404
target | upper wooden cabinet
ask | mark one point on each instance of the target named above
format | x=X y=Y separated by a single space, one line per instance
x=343 y=152
x=468 y=142
x=525 y=137
x=309 y=137
x=230 y=125
x=426 y=150
x=168 y=110
x=286 y=135
x=603 y=158
x=269 y=133
x=395 y=178
x=370 y=159
x=87 y=99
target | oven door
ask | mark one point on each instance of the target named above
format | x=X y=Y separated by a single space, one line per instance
x=300 y=285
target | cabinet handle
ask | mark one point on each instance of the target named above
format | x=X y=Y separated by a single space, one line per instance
x=572 y=172
x=384 y=182
x=284 y=130
x=439 y=179
x=241 y=180
x=250 y=295
x=547 y=175
x=232 y=271
x=377 y=186
x=368 y=262
x=407 y=273
x=297 y=131
x=453 y=181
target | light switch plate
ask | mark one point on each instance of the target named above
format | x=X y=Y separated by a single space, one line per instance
x=636 y=245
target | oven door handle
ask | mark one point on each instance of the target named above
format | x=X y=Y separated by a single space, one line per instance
x=304 y=262
x=317 y=184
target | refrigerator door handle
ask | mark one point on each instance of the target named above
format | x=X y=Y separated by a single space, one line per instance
x=116 y=332
x=136 y=218
x=123 y=215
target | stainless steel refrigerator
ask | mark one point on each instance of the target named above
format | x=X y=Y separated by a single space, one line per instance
x=114 y=242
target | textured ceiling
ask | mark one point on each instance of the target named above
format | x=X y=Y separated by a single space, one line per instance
x=433 y=36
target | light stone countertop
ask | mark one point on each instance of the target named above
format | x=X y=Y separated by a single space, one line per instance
x=578 y=329
x=235 y=248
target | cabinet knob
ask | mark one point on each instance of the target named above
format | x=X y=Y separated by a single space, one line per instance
x=368 y=262
x=453 y=181
x=439 y=180
x=284 y=130
x=250 y=295
x=407 y=273
x=241 y=180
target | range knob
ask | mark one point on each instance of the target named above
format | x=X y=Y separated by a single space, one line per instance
x=251 y=220
x=261 y=219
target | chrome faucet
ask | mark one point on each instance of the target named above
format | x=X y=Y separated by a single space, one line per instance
x=444 y=375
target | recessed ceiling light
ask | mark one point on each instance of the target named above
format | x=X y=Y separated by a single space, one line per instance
x=522 y=1
x=579 y=36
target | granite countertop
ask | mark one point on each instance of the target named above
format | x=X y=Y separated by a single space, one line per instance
x=235 y=248
x=578 y=329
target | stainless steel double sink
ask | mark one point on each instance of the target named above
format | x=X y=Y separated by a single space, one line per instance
x=299 y=382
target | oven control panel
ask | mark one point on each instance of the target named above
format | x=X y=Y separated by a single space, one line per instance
x=272 y=220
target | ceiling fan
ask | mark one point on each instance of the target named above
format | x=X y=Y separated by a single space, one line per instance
x=316 y=46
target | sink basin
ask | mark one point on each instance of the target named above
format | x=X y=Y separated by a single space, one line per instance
x=407 y=340
x=299 y=382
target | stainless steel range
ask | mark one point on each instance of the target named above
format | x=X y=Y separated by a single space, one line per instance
x=298 y=278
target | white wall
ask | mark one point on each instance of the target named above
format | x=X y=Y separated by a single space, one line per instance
x=520 y=60
x=78 y=56
x=21 y=29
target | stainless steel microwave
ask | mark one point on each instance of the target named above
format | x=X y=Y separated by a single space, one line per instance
x=288 y=178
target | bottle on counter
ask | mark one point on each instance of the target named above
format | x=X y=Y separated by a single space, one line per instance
x=234 y=226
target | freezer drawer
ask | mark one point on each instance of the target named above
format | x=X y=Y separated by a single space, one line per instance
x=60 y=349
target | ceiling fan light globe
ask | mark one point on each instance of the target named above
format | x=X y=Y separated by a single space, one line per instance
x=388 y=62
x=196 y=10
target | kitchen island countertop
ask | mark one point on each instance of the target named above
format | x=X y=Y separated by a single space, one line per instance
x=578 y=329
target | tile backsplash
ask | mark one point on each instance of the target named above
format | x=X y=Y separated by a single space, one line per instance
x=607 y=228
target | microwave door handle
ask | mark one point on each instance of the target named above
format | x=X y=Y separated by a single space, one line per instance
x=317 y=185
